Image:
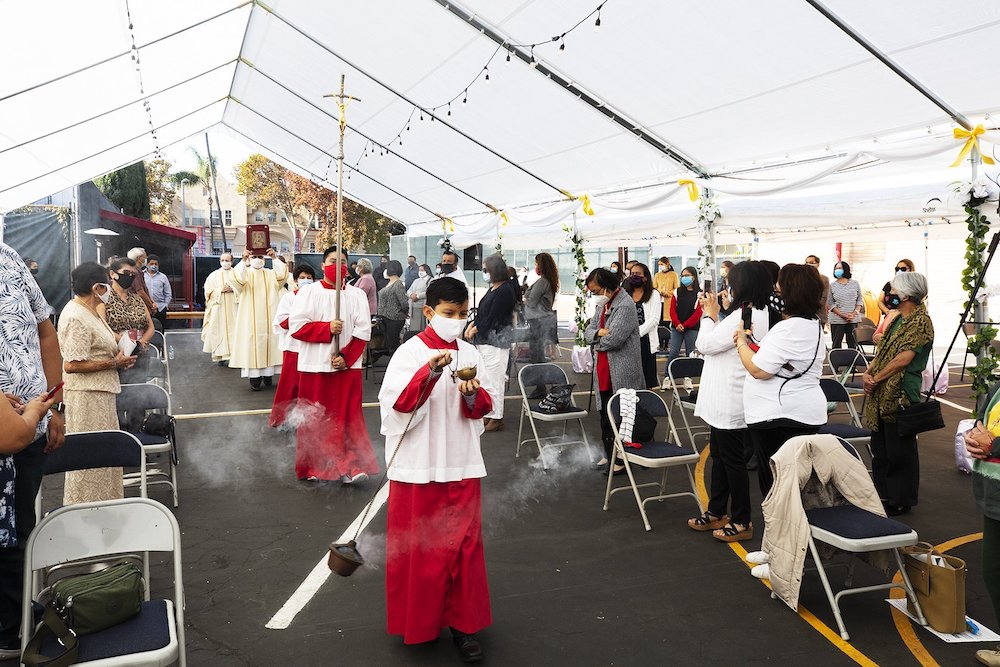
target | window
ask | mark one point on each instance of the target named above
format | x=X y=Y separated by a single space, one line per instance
x=229 y=218
x=215 y=216
x=284 y=246
x=259 y=217
x=271 y=216
x=284 y=218
x=312 y=247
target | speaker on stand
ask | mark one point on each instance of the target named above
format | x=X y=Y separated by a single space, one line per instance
x=472 y=260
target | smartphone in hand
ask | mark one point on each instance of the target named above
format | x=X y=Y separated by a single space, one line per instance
x=54 y=391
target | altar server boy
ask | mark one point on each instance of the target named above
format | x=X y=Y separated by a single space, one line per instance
x=435 y=568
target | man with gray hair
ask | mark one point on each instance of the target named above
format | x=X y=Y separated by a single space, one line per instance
x=366 y=282
x=138 y=255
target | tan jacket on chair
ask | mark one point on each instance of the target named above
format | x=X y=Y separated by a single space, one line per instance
x=786 y=531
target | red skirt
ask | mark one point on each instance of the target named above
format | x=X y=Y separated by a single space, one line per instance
x=333 y=438
x=288 y=388
x=435 y=571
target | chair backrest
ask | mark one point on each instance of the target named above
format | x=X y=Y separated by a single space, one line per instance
x=95 y=449
x=868 y=322
x=850 y=448
x=685 y=367
x=143 y=397
x=650 y=401
x=834 y=391
x=534 y=375
x=847 y=359
x=864 y=334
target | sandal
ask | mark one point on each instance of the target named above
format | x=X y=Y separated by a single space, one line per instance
x=730 y=532
x=707 y=522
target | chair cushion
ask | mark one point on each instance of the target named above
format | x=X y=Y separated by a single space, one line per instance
x=149 y=439
x=147 y=631
x=658 y=450
x=854 y=523
x=845 y=431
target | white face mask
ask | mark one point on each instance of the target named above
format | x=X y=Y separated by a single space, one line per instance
x=385 y=274
x=107 y=294
x=226 y=264
x=486 y=276
x=422 y=274
x=600 y=300
x=257 y=263
x=305 y=281
x=663 y=269
x=446 y=328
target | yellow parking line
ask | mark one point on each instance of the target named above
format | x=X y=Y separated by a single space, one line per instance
x=819 y=626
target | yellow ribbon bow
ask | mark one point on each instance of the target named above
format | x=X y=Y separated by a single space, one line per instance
x=971 y=139
x=692 y=188
x=506 y=220
x=583 y=199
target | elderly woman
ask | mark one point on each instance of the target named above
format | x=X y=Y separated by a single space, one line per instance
x=127 y=315
x=902 y=266
x=366 y=283
x=781 y=394
x=417 y=294
x=614 y=334
x=893 y=380
x=91 y=361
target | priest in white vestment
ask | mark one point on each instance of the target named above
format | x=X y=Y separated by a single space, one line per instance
x=219 y=325
x=255 y=346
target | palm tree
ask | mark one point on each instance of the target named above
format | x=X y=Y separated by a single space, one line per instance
x=203 y=172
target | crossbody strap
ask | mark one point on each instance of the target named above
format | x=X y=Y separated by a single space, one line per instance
x=52 y=626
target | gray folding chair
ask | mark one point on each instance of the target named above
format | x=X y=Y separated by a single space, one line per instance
x=678 y=371
x=135 y=402
x=853 y=432
x=533 y=375
x=654 y=454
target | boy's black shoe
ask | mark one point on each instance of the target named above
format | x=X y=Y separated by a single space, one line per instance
x=255 y=384
x=468 y=646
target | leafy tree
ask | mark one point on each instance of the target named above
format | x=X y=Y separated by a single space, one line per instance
x=362 y=228
x=127 y=189
x=159 y=184
x=266 y=185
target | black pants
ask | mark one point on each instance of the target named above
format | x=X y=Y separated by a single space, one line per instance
x=607 y=436
x=838 y=331
x=730 y=482
x=895 y=465
x=768 y=437
x=648 y=363
x=28 y=464
x=393 y=331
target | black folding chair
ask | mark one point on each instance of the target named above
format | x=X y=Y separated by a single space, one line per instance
x=135 y=403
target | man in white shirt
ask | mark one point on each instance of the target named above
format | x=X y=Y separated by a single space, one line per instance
x=158 y=286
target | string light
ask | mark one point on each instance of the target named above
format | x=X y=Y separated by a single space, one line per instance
x=597 y=23
x=487 y=70
x=533 y=63
x=465 y=99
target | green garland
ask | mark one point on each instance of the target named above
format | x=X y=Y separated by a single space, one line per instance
x=580 y=314
x=979 y=345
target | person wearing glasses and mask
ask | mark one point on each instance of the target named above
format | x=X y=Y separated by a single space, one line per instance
x=902 y=266
x=219 y=325
x=127 y=315
x=450 y=267
x=91 y=361
x=255 y=347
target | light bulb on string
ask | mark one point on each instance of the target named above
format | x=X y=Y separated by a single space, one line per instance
x=465 y=98
x=597 y=23
x=562 y=43
x=487 y=70
x=533 y=63
x=449 y=108
x=508 y=55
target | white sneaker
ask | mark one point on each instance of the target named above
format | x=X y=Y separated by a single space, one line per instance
x=761 y=571
x=360 y=478
x=988 y=657
x=758 y=557
x=688 y=385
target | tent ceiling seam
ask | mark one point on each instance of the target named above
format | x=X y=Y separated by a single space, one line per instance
x=403 y=97
x=326 y=113
x=631 y=127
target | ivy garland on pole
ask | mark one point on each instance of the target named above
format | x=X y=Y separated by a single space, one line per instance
x=975 y=245
x=580 y=314
x=708 y=212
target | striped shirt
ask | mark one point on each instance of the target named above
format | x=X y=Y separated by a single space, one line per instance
x=845 y=297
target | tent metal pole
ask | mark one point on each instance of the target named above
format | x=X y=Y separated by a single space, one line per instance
x=619 y=118
x=403 y=97
x=954 y=113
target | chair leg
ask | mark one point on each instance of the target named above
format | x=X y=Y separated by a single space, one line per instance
x=694 y=487
x=173 y=481
x=829 y=591
x=909 y=589
x=631 y=480
x=520 y=431
x=538 y=443
x=586 y=442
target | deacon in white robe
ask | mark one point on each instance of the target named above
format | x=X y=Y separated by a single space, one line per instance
x=255 y=346
x=219 y=325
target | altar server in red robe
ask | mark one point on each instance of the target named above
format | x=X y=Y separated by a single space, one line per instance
x=332 y=441
x=288 y=382
x=435 y=569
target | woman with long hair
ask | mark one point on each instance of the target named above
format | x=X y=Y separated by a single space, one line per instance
x=539 y=311
x=846 y=305
x=647 y=308
x=685 y=314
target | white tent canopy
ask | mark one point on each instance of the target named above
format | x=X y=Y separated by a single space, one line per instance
x=663 y=91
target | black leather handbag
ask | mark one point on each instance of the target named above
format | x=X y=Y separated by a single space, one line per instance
x=919 y=418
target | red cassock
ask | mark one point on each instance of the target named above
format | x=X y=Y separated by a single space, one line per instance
x=288 y=385
x=333 y=439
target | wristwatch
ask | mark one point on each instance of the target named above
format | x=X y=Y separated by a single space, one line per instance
x=59 y=407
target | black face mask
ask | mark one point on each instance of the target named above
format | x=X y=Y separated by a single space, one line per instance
x=34 y=271
x=776 y=302
x=125 y=280
x=447 y=268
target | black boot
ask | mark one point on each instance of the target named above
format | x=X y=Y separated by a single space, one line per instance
x=267 y=381
x=468 y=646
x=255 y=384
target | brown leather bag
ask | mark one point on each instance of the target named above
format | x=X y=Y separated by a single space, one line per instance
x=939 y=581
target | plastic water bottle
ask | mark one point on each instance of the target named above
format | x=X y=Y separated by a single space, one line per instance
x=171 y=352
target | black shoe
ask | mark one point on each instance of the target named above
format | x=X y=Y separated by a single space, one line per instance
x=539 y=392
x=255 y=384
x=896 y=510
x=468 y=646
x=268 y=381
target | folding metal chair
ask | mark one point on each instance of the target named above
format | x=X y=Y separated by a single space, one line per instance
x=135 y=402
x=684 y=368
x=92 y=530
x=853 y=432
x=654 y=454
x=855 y=530
x=376 y=348
x=533 y=375
x=848 y=365
x=864 y=335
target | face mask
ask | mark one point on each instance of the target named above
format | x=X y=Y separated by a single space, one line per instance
x=447 y=328
x=153 y=268
x=636 y=281
x=330 y=272
x=486 y=276
x=600 y=300
x=107 y=292
x=892 y=301
x=257 y=263
x=686 y=280
x=776 y=302
x=662 y=268
x=613 y=269
x=447 y=268
x=422 y=273
x=838 y=273
x=305 y=281
x=125 y=280
x=437 y=271
x=226 y=265
x=34 y=271
x=385 y=274
x=724 y=272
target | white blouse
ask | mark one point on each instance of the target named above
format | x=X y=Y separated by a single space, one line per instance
x=797 y=342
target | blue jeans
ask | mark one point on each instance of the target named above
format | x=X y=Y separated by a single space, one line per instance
x=28 y=464
x=688 y=337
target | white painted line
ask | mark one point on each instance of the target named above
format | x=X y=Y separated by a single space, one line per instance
x=312 y=583
x=954 y=405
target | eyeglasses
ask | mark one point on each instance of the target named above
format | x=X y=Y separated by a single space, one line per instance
x=902 y=268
